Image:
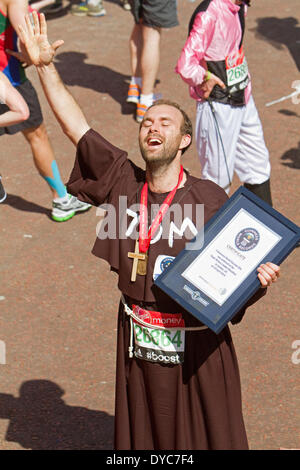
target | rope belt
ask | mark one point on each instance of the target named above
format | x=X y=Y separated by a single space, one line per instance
x=132 y=316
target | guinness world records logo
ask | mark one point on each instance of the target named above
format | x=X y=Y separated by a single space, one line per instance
x=165 y=263
x=247 y=239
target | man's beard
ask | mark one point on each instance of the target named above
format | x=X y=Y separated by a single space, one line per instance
x=161 y=159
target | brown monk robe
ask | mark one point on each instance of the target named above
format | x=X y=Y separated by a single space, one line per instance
x=175 y=389
x=191 y=405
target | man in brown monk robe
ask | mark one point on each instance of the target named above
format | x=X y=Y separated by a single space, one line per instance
x=176 y=388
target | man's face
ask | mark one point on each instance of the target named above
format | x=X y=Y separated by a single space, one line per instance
x=160 y=136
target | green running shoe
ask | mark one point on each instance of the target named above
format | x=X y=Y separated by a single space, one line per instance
x=84 y=9
x=62 y=211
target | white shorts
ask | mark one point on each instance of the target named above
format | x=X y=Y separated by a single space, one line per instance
x=243 y=141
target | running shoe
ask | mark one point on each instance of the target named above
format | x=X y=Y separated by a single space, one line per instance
x=83 y=9
x=133 y=95
x=142 y=108
x=2 y=192
x=62 y=211
x=126 y=5
x=140 y=112
x=79 y=10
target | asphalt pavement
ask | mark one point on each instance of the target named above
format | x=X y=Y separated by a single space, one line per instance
x=58 y=303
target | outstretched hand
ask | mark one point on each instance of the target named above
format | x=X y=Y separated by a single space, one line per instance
x=35 y=41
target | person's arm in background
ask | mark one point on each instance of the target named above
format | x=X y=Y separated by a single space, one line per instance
x=18 y=109
x=16 y=11
x=189 y=63
x=41 y=4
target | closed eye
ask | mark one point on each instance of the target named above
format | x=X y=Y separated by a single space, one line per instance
x=166 y=121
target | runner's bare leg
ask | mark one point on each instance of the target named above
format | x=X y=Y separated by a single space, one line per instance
x=150 y=57
x=42 y=152
x=135 y=47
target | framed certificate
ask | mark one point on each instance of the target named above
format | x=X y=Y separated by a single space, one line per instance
x=216 y=274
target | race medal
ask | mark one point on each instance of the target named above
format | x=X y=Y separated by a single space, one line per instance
x=137 y=258
x=145 y=236
x=140 y=257
x=142 y=265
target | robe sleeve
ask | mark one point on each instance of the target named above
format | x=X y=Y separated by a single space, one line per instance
x=258 y=295
x=99 y=166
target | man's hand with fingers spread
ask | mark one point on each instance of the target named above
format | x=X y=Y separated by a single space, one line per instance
x=35 y=41
x=268 y=273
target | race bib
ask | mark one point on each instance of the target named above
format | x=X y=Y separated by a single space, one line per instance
x=237 y=71
x=163 y=345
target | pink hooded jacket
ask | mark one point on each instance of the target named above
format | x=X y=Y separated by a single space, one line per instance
x=215 y=36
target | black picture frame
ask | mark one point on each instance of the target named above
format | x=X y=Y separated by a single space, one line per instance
x=194 y=299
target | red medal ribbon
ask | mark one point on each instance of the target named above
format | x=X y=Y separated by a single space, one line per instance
x=145 y=238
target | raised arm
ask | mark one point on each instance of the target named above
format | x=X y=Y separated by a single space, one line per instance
x=18 y=109
x=41 y=54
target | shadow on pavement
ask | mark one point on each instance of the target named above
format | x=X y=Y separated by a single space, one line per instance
x=95 y=77
x=41 y=420
x=53 y=16
x=281 y=32
x=17 y=202
x=291 y=157
x=287 y=112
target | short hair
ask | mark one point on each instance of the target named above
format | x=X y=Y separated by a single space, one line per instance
x=186 y=126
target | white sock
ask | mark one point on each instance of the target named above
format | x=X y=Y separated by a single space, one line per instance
x=93 y=3
x=147 y=100
x=136 y=81
x=63 y=199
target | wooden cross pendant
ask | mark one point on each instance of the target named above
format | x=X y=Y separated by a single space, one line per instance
x=139 y=265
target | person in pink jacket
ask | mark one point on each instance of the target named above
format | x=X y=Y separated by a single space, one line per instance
x=229 y=135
